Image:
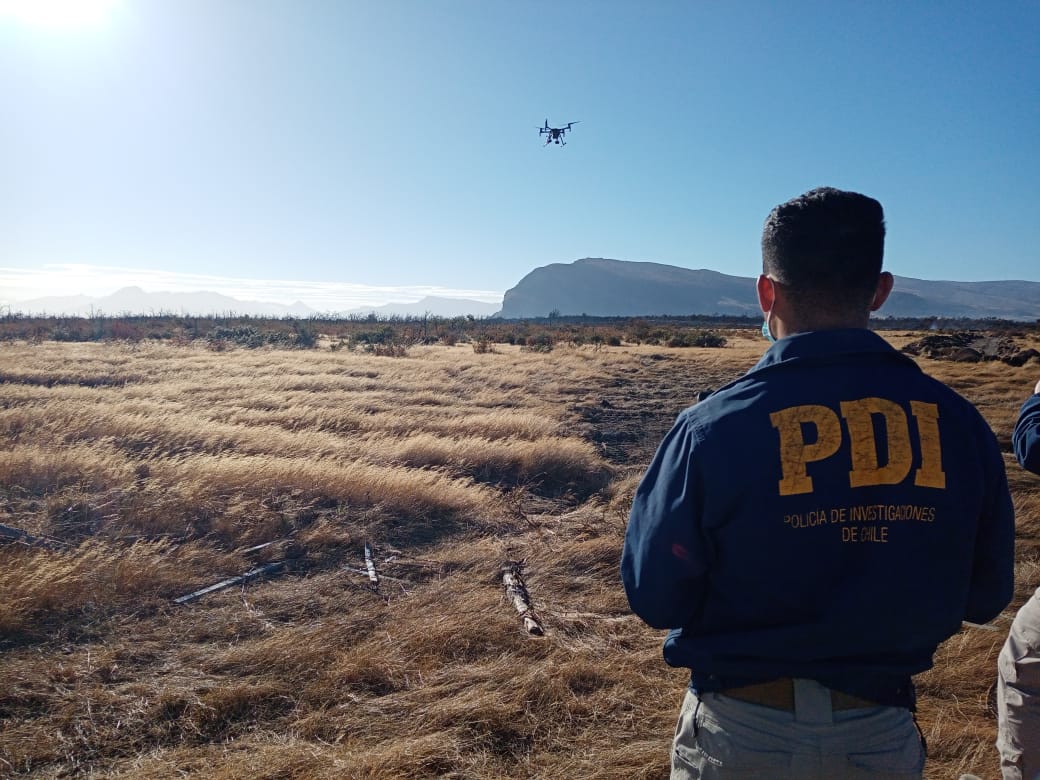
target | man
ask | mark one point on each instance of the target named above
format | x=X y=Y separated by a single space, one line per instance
x=812 y=531
x=1018 y=666
x=1026 y=436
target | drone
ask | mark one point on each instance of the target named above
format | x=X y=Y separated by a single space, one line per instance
x=555 y=134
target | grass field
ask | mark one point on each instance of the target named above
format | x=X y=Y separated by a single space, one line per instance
x=155 y=469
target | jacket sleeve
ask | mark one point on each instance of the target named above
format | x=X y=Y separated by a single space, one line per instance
x=1026 y=436
x=663 y=564
x=993 y=571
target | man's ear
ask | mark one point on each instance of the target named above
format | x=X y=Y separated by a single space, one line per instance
x=766 y=293
x=884 y=287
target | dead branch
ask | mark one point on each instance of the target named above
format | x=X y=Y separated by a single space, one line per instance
x=516 y=590
x=252 y=574
x=591 y=616
x=258 y=547
x=364 y=572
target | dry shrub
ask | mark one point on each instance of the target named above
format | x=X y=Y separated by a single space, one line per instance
x=457 y=620
x=40 y=469
x=1027 y=514
x=404 y=490
x=620 y=494
x=227 y=710
x=420 y=754
x=264 y=756
x=95 y=575
x=556 y=463
x=371 y=668
x=293 y=652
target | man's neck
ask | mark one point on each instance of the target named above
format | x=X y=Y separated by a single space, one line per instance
x=789 y=326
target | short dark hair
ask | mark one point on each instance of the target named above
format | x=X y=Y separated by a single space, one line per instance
x=826 y=247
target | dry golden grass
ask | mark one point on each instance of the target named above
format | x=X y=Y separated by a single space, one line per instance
x=153 y=468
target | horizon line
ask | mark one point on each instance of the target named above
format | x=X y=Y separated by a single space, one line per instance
x=66 y=280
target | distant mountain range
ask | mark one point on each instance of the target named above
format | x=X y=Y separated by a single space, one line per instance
x=134 y=300
x=622 y=288
x=593 y=286
x=432 y=305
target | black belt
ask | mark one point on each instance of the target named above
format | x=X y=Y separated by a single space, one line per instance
x=779 y=694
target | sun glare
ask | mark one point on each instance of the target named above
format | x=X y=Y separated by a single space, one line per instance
x=57 y=13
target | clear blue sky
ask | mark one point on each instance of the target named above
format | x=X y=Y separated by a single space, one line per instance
x=393 y=144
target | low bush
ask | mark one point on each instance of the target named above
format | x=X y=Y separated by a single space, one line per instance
x=697 y=338
x=543 y=342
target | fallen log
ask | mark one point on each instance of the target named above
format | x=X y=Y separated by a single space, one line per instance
x=252 y=574
x=516 y=590
x=371 y=567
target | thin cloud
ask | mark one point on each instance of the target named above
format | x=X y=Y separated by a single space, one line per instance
x=64 y=279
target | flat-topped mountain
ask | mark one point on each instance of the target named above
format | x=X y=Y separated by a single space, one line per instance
x=623 y=288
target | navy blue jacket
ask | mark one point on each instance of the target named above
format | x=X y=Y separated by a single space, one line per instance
x=833 y=514
x=1027 y=435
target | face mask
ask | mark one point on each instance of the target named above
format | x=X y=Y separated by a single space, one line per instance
x=766 y=334
x=765 y=331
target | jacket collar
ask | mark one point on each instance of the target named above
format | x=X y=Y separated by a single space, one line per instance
x=823 y=343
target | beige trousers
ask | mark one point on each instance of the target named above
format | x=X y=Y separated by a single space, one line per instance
x=1018 y=695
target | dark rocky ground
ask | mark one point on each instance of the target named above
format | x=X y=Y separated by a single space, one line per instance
x=637 y=406
x=972 y=347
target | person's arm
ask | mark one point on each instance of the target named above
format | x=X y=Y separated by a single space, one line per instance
x=662 y=564
x=1026 y=436
x=993 y=571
